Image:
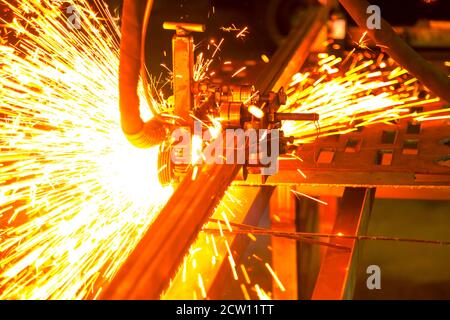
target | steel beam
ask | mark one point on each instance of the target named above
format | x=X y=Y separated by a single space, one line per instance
x=312 y=217
x=284 y=251
x=336 y=279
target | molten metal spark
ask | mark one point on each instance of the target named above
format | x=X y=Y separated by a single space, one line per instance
x=239 y=33
x=238 y=72
x=75 y=197
x=275 y=277
x=296 y=193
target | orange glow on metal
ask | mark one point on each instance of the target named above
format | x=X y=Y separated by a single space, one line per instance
x=76 y=198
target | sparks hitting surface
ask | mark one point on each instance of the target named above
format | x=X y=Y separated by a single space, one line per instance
x=75 y=197
x=364 y=89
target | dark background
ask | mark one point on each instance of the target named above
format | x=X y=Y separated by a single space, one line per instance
x=268 y=21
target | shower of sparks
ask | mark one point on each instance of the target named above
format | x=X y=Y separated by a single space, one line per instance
x=203 y=62
x=245 y=292
x=362 y=44
x=265 y=58
x=231 y=28
x=211 y=251
x=75 y=197
x=372 y=89
x=245 y=273
x=201 y=286
x=302 y=173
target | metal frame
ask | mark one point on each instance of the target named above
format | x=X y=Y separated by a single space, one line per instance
x=149 y=268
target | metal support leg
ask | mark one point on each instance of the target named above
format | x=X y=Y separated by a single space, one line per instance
x=312 y=217
x=336 y=278
x=284 y=251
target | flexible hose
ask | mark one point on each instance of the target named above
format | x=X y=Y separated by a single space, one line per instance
x=144 y=73
x=140 y=134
